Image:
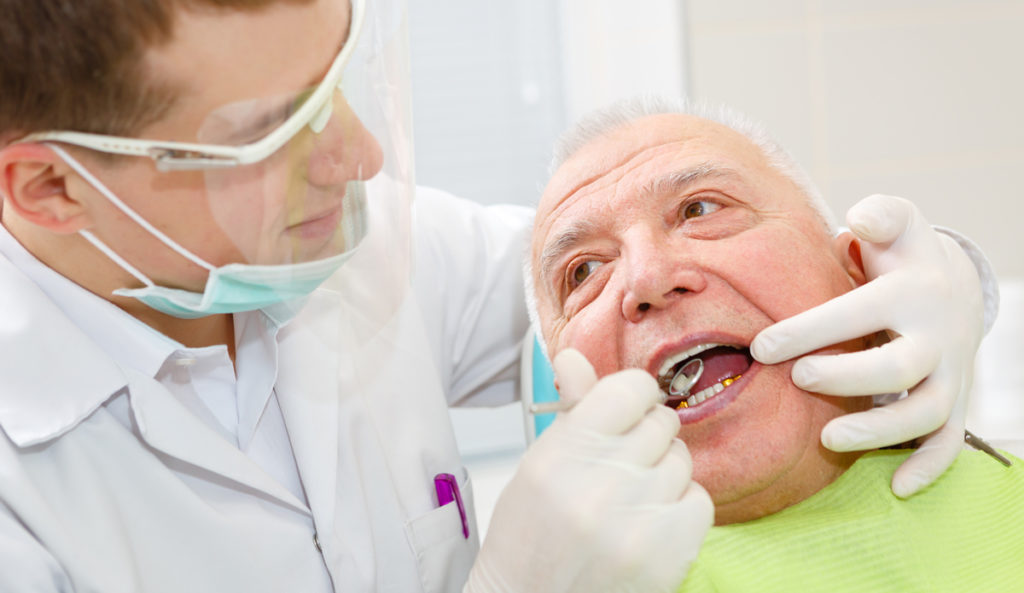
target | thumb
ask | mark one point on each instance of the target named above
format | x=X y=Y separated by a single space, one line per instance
x=879 y=218
x=574 y=374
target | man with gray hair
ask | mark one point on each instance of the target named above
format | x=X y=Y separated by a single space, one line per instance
x=914 y=360
x=665 y=237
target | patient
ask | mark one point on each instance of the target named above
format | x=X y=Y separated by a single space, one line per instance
x=664 y=235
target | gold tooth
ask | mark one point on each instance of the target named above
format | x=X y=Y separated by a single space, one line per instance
x=725 y=383
x=730 y=380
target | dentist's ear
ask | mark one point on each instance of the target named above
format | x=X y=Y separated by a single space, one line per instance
x=846 y=246
x=33 y=187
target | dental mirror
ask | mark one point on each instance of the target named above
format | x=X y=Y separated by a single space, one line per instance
x=684 y=379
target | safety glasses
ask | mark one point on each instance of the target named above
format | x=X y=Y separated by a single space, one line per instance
x=177 y=156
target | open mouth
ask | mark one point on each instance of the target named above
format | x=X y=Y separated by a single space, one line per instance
x=723 y=364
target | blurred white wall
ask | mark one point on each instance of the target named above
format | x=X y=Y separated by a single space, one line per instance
x=487 y=96
x=495 y=83
x=918 y=98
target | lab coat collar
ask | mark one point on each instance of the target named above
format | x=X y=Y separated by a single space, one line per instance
x=163 y=422
x=51 y=374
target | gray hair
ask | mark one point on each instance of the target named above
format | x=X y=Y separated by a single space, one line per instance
x=606 y=120
x=603 y=121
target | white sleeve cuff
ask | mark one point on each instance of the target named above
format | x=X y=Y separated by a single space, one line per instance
x=989 y=283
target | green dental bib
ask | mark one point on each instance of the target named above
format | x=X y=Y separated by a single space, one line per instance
x=963 y=533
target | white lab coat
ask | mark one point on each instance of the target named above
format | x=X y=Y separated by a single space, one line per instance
x=93 y=506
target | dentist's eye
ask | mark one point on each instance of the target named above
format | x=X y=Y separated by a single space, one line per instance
x=699 y=208
x=582 y=272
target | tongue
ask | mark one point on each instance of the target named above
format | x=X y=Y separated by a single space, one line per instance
x=721 y=363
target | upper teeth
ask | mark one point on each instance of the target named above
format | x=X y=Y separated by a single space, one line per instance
x=672 y=361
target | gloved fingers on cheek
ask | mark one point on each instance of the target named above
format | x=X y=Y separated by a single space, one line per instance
x=945 y=392
x=932 y=458
x=924 y=410
x=647 y=442
x=918 y=247
x=889 y=368
x=860 y=312
x=879 y=218
x=616 y=403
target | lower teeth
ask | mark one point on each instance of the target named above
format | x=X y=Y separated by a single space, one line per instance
x=707 y=393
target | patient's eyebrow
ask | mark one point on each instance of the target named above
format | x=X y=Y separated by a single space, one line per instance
x=580 y=230
x=568 y=238
x=678 y=181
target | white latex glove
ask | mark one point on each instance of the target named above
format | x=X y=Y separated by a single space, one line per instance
x=926 y=292
x=602 y=501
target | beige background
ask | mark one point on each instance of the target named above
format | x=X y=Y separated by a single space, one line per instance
x=918 y=98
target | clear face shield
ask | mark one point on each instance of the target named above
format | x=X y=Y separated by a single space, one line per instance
x=311 y=184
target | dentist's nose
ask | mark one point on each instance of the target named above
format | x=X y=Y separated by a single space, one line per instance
x=344 y=149
x=657 y=275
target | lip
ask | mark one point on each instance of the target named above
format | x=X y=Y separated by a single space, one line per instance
x=726 y=396
x=322 y=225
x=667 y=350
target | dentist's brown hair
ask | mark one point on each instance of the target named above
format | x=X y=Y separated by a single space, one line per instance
x=78 y=64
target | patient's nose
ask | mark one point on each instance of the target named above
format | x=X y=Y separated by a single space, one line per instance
x=657 y=277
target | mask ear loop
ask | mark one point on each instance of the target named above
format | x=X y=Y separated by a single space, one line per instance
x=127 y=267
x=100 y=187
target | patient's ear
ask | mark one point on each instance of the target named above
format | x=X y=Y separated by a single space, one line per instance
x=32 y=182
x=847 y=248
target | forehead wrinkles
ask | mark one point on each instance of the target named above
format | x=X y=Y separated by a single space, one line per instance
x=605 y=172
x=591 y=193
x=625 y=188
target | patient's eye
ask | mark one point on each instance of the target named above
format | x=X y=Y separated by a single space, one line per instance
x=582 y=271
x=699 y=208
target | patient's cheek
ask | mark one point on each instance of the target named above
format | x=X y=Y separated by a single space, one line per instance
x=593 y=341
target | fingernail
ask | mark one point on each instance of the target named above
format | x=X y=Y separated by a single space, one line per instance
x=865 y=223
x=763 y=349
x=842 y=436
x=805 y=376
x=906 y=486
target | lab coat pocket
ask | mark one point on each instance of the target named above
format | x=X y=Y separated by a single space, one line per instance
x=443 y=552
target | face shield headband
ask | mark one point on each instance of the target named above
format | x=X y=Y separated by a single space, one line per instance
x=178 y=156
